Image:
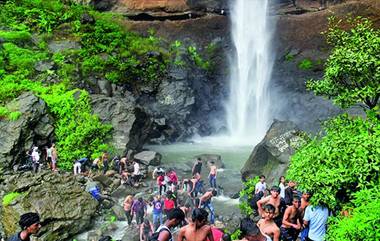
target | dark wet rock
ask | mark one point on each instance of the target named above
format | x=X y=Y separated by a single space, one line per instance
x=55 y=197
x=33 y=127
x=147 y=158
x=86 y=18
x=272 y=155
x=131 y=125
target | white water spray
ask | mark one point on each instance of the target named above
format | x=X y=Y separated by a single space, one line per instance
x=248 y=116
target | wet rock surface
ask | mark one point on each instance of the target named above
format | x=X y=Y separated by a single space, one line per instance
x=61 y=200
x=34 y=126
x=271 y=156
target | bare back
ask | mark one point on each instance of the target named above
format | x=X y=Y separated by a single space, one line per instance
x=190 y=233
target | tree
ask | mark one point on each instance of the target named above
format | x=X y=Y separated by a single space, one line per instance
x=346 y=159
x=352 y=73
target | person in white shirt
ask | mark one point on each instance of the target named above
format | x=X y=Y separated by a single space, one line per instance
x=261 y=186
x=282 y=186
x=316 y=219
x=36 y=159
x=136 y=175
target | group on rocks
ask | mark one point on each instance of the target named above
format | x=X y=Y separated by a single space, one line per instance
x=285 y=214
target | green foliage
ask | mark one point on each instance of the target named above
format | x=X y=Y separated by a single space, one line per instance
x=344 y=160
x=21 y=58
x=289 y=57
x=7 y=199
x=198 y=60
x=15 y=36
x=306 y=64
x=246 y=193
x=13 y=116
x=79 y=133
x=236 y=235
x=363 y=220
x=352 y=73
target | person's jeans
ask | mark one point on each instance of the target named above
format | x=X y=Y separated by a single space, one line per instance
x=304 y=234
x=212 y=181
x=157 y=220
x=209 y=206
x=129 y=215
x=140 y=217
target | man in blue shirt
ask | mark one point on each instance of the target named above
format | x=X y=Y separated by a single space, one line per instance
x=316 y=218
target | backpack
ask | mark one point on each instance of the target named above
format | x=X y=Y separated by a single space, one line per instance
x=155 y=235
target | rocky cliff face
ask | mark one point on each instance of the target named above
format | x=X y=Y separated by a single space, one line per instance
x=62 y=202
x=35 y=126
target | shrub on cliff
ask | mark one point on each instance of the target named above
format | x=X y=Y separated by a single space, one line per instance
x=352 y=73
x=346 y=159
x=361 y=219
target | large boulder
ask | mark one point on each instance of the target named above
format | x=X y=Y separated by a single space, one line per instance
x=272 y=155
x=149 y=158
x=131 y=125
x=63 y=204
x=33 y=127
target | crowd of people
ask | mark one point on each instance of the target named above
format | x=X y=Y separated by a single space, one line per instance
x=188 y=195
x=284 y=212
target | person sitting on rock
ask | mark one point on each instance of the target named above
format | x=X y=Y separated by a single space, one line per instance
x=267 y=224
x=197 y=230
x=136 y=175
x=146 y=230
x=79 y=165
x=30 y=225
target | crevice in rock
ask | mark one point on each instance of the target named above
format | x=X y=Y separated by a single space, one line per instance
x=171 y=17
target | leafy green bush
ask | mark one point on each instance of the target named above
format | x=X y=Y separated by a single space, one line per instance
x=344 y=160
x=198 y=60
x=15 y=115
x=306 y=64
x=246 y=193
x=7 y=199
x=352 y=73
x=79 y=133
x=15 y=36
x=363 y=220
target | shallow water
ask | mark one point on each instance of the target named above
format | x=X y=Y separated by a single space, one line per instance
x=233 y=157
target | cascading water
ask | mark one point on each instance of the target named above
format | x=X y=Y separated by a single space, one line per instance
x=248 y=115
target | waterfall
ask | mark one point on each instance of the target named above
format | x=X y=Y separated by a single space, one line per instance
x=248 y=116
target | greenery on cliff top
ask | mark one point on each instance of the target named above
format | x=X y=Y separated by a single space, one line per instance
x=341 y=166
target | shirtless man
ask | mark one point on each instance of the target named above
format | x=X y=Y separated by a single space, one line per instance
x=250 y=232
x=212 y=175
x=275 y=200
x=197 y=230
x=205 y=202
x=267 y=225
x=291 y=224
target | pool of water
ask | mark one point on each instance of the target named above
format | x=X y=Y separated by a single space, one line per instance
x=233 y=157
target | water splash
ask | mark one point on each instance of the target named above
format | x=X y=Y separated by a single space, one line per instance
x=248 y=106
